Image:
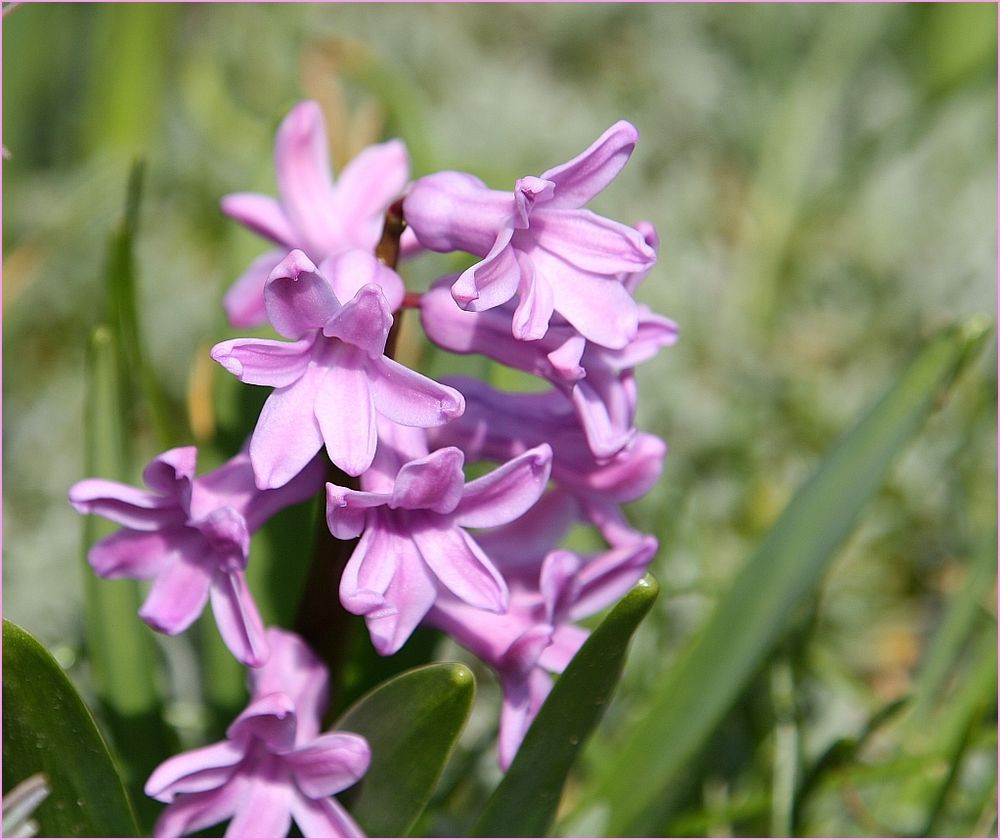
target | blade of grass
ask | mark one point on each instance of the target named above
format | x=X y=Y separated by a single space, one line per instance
x=689 y=701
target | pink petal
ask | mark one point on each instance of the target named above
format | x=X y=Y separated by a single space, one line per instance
x=410 y=398
x=591 y=242
x=611 y=574
x=266 y=810
x=605 y=437
x=323 y=818
x=270 y=718
x=454 y=211
x=522 y=698
x=518 y=548
x=492 y=281
x=287 y=435
x=329 y=764
x=535 y=304
x=372 y=567
x=344 y=410
x=244 y=302
x=362 y=322
x=459 y=564
x=170 y=473
x=132 y=554
x=264 y=504
x=566 y=643
x=346 y=510
x=350 y=271
x=368 y=185
x=435 y=482
x=557 y=581
x=302 y=167
x=262 y=214
x=238 y=620
x=294 y=670
x=262 y=361
x=194 y=771
x=192 y=812
x=137 y=509
x=178 y=596
x=580 y=179
x=507 y=492
x=298 y=298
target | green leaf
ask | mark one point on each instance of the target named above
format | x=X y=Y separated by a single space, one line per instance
x=690 y=700
x=48 y=729
x=524 y=803
x=412 y=723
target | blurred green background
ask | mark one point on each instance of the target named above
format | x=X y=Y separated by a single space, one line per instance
x=823 y=179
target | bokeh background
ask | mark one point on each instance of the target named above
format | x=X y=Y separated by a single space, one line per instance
x=823 y=179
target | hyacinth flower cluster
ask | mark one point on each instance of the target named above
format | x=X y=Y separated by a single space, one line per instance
x=550 y=292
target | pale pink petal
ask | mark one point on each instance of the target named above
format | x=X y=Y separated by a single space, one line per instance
x=264 y=504
x=410 y=398
x=298 y=298
x=374 y=563
x=567 y=639
x=329 y=764
x=244 y=301
x=263 y=361
x=267 y=806
x=652 y=239
x=287 y=435
x=323 y=818
x=133 y=554
x=363 y=321
x=302 y=168
x=535 y=304
x=459 y=564
x=610 y=575
x=170 y=473
x=194 y=771
x=605 y=437
x=345 y=412
x=367 y=186
x=518 y=548
x=191 y=812
x=435 y=482
x=557 y=582
x=566 y=358
x=294 y=670
x=407 y=600
x=238 y=620
x=350 y=271
x=270 y=718
x=262 y=214
x=591 y=242
x=346 y=510
x=492 y=281
x=580 y=179
x=522 y=698
x=507 y=492
x=137 y=509
x=528 y=192
x=178 y=595
x=454 y=211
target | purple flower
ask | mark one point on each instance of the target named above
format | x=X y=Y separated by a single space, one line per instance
x=191 y=536
x=332 y=380
x=539 y=244
x=499 y=426
x=414 y=544
x=313 y=214
x=594 y=378
x=549 y=590
x=274 y=766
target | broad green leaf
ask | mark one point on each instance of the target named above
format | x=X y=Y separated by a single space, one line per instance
x=524 y=803
x=687 y=704
x=412 y=723
x=47 y=729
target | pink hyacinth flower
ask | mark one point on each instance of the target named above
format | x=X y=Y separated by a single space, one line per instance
x=539 y=244
x=312 y=213
x=274 y=766
x=413 y=539
x=549 y=590
x=333 y=379
x=191 y=536
x=498 y=426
